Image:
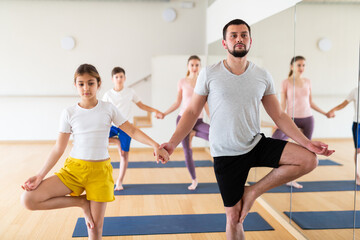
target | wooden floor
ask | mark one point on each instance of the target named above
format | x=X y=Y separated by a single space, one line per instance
x=23 y=160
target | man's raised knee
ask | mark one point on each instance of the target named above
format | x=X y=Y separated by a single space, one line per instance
x=311 y=162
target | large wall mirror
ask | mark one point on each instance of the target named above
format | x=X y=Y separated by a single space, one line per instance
x=326 y=34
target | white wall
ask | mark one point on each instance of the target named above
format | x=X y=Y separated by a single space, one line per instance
x=221 y=12
x=107 y=33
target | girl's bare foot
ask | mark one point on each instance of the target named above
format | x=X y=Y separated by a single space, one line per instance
x=294 y=184
x=193 y=185
x=87 y=213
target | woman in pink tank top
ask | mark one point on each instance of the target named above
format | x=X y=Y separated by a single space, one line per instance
x=298 y=103
x=185 y=91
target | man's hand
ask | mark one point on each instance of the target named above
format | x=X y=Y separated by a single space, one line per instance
x=319 y=148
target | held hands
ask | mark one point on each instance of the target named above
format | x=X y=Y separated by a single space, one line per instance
x=32 y=183
x=161 y=154
x=168 y=147
x=330 y=114
x=159 y=115
x=319 y=148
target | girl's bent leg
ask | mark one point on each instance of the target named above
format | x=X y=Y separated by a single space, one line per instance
x=50 y=194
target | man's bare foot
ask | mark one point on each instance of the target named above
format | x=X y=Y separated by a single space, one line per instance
x=87 y=213
x=193 y=185
x=294 y=184
x=192 y=135
x=247 y=201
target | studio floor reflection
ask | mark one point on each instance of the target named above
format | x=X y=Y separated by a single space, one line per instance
x=321 y=201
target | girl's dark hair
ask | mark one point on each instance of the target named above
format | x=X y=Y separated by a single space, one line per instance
x=87 y=69
x=192 y=57
x=293 y=60
x=117 y=70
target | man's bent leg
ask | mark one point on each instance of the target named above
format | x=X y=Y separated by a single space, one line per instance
x=295 y=161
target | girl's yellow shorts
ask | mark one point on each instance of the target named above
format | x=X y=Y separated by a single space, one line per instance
x=95 y=177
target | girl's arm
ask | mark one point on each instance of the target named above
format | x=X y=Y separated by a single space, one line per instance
x=314 y=106
x=140 y=136
x=54 y=156
x=206 y=107
x=175 y=105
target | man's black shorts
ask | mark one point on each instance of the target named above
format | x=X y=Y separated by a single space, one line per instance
x=232 y=171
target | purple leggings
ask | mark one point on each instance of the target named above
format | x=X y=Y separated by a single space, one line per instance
x=202 y=131
x=305 y=124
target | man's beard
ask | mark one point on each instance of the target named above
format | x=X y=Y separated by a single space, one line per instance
x=240 y=54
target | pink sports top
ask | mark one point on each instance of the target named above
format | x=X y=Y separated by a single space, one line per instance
x=187 y=92
x=301 y=106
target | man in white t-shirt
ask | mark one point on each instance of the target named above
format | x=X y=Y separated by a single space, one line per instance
x=234 y=89
x=352 y=97
x=123 y=97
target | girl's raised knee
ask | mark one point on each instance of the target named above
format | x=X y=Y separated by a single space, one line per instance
x=27 y=201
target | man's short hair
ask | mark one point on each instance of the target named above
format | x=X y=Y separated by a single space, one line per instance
x=117 y=70
x=235 y=22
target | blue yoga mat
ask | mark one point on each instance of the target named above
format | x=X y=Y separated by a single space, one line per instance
x=168 y=188
x=170 y=224
x=317 y=186
x=325 y=220
x=328 y=162
x=170 y=164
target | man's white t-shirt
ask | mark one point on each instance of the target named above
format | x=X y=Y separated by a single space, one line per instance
x=123 y=101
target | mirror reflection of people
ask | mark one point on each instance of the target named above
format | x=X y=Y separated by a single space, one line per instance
x=234 y=89
x=355 y=128
x=298 y=105
x=201 y=129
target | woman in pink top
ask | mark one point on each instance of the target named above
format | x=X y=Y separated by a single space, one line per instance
x=299 y=106
x=200 y=129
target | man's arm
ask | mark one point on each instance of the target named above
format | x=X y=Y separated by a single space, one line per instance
x=187 y=122
x=149 y=109
x=284 y=122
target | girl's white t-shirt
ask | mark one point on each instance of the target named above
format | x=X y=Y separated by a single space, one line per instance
x=90 y=129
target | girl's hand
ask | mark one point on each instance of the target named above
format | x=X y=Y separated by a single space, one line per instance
x=32 y=183
x=161 y=154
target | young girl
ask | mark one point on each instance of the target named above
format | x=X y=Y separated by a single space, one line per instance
x=300 y=110
x=201 y=129
x=88 y=167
